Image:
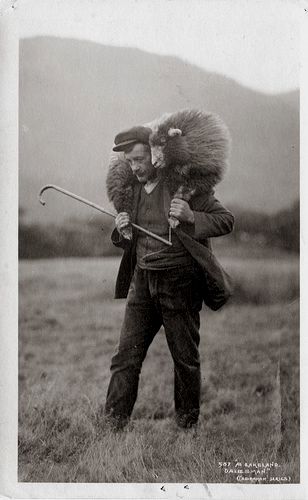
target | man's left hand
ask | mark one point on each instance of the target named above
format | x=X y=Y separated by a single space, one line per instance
x=181 y=210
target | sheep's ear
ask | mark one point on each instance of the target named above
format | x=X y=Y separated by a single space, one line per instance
x=172 y=132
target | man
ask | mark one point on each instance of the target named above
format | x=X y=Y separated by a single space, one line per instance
x=165 y=288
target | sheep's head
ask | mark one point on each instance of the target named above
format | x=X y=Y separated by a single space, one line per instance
x=168 y=146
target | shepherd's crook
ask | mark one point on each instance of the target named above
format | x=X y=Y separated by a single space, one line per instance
x=97 y=207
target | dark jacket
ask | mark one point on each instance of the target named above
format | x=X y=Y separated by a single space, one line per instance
x=211 y=220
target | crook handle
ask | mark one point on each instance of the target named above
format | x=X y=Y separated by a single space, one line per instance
x=99 y=208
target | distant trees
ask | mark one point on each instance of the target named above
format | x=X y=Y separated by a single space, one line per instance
x=72 y=239
x=286 y=228
x=280 y=230
x=79 y=238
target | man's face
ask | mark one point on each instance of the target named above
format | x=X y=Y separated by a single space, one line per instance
x=139 y=159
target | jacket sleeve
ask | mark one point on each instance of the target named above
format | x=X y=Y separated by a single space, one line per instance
x=118 y=240
x=211 y=219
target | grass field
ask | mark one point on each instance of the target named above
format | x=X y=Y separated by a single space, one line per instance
x=69 y=325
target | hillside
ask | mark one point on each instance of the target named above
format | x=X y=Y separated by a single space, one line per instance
x=76 y=95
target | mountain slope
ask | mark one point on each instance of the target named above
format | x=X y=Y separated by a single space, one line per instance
x=76 y=95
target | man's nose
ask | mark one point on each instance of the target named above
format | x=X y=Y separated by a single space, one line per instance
x=134 y=167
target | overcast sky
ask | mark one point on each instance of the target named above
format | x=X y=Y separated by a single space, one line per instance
x=254 y=41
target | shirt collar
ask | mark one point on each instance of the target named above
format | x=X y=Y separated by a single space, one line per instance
x=149 y=186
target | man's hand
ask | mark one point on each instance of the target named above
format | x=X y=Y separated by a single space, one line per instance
x=122 y=222
x=181 y=210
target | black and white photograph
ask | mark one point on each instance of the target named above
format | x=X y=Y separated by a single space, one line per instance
x=159 y=246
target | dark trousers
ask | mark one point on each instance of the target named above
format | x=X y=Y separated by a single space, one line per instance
x=171 y=298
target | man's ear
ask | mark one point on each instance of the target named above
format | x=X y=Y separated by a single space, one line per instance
x=172 y=132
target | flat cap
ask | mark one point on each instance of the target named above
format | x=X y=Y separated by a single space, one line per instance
x=134 y=134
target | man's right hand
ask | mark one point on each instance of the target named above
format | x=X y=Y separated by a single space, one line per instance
x=122 y=222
